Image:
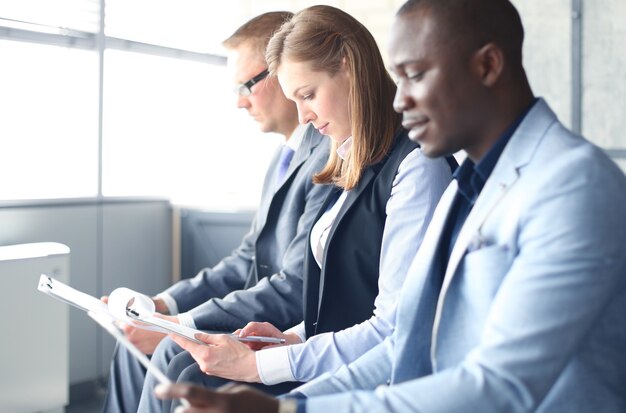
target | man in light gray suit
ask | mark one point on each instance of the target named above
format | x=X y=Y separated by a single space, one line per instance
x=516 y=299
x=262 y=278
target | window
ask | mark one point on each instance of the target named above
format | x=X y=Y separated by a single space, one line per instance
x=49 y=128
x=53 y=16
x=170 y=127
x=197 y=25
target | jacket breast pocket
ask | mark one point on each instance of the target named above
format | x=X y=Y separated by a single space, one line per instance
x=483 y=270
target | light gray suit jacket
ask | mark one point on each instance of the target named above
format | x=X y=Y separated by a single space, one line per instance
x=531 y=315
x=262 y=279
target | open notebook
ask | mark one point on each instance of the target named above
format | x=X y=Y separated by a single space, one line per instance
x=124 y=305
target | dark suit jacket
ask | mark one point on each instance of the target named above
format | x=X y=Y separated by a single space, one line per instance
x=269 y=261
x=342 y=293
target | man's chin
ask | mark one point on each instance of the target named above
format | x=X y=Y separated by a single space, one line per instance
x=433 y=152
x=264 y=128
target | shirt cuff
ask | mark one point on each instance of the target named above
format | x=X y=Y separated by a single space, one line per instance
x=273 y=365
x=288 y=406
x=185 y=319
x=170 y=303
x=298 y=330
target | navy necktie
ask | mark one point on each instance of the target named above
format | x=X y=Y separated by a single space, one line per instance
x=283 y=164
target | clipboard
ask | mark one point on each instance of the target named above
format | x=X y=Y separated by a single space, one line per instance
x=54 y=288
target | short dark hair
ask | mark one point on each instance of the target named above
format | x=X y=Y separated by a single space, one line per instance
x=479 y=21
x=258 y=31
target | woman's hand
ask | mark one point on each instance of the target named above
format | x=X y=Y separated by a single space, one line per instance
x=268 y=330
x=224 y=356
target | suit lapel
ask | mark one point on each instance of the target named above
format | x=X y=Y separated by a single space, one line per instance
x=469 y=236
x=432 y=238
x=310 y=141
x=518 y=152
x=352 y=197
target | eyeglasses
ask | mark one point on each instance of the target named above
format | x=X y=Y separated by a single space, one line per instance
x=245 y=89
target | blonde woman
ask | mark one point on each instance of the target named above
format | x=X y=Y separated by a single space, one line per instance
x=371 y=225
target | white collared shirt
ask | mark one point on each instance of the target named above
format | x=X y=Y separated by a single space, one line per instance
x=296 y=138
x=321 y=229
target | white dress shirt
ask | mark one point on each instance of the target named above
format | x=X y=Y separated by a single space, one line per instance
x=321 y=229
x=415 y=192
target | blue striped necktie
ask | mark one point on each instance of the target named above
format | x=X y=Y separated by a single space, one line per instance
x=283 y=164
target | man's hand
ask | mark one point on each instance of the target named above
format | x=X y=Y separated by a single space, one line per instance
x=159 y=304
x=227 y=399
x=145 y=340
x=224 y=357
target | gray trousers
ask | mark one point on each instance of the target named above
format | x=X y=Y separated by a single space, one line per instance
x=126 y=379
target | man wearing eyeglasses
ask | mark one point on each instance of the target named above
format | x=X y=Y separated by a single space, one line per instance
x=261 y=279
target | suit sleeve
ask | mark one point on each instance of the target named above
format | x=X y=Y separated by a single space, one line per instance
x=277 y=298
x=228 y=275
x=568 y=267
x=369 y=371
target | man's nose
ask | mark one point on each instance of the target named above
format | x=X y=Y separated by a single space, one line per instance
x=243 y=102
x=402 y=100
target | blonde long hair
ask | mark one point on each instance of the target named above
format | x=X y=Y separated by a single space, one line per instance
x=325 y=37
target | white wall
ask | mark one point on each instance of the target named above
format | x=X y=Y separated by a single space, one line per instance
x=604 y=72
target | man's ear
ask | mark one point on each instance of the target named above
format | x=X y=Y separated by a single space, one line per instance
x=488 y=62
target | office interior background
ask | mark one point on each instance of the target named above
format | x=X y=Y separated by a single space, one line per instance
x=120 y=139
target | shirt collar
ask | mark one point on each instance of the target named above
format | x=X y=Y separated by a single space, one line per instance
x=472 y=177
x=344 y=148
x=296 y=138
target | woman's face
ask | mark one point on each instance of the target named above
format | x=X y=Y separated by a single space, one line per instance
x=321 y=99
